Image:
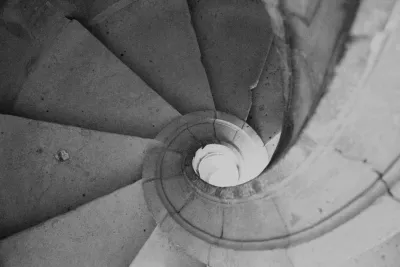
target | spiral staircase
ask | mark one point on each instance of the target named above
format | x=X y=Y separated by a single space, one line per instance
x=199 y=133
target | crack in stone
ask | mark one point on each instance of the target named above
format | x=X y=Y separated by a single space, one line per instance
x=215 y=130
x=283 y=221
x=382 y=174
x=222 y=224
x=209 y=256
x=379 y=174
x=161 y=179
x=356 y=159
x=388 y=190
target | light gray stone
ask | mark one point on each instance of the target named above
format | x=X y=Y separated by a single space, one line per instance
x=372 y=132
x=386 y=254
x=327 y=185
x=371 y=17
x=253 y=220
x=220 y=257
x=204 y=215
x=192 y=245
x=159 y=252
x=178 y=191
x=373 y=226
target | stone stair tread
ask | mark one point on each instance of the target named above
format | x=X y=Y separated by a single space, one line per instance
x=233 y=37
x=108 y=231
x=266 y=113
x=48 y=169
x=24 y=35
x=79 y=82
x=158 y=251
x=156 y=40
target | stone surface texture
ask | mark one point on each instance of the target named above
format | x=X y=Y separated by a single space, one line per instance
x=156 y=40
x=373 y=226
x=109 y=231
x=79 y=82
x=26 y=30
x=266 y=113
x=386 y=254
x=234 y=38
x=37 y=185
x=323 y=199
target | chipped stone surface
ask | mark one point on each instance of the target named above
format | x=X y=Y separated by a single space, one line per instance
x=234 y=38
x=36 y=186
x=266 y=114
x=79 y=82
x=316 y=40
x=156 y=40
x=109 y=231
x=62 y=155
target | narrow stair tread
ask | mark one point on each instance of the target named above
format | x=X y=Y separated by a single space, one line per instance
x=79 y=82
x=234 y=37
x=266 y=114
x=48 y=169
x=108 y=231
x=156 y=40
x=24 y=35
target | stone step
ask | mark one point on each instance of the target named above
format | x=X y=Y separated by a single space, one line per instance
x=266 y=113
x=156 y=40
x=108 y=231
x=79 y=82
x=26 y=30
x=49 y=169
x=234 y=38
x=158 y=251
